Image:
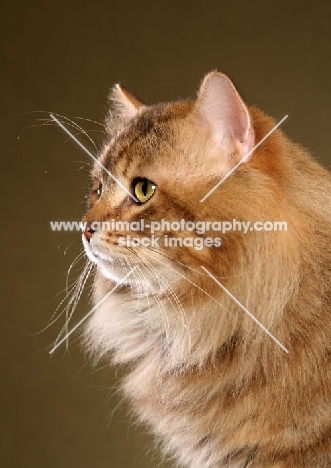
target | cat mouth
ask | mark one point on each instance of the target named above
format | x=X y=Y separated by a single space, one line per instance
x=100 y=256
x=115 y=265
x=96 y=254
x=110 y=266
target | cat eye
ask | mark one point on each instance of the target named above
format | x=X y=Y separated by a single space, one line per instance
x=96 y=189
x=143 y=189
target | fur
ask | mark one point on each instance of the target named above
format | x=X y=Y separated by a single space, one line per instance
x=212 y=385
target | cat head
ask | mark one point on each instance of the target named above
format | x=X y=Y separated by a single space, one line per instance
x=159 y=162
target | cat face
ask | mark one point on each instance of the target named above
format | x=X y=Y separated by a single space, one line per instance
x=167 y=157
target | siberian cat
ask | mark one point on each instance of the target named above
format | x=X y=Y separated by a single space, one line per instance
x=210 y=381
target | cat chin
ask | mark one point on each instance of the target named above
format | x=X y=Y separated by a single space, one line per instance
x=113 y=272
x=94 y=253
x=106 y=264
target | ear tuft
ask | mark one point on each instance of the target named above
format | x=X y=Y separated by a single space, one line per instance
x=221 y=110
x=125 y=104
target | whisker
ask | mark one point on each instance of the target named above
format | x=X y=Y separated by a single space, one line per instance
x=174 y=295
x=75 y=117
x=90 y=120
x=155 y=296
x=68 y=121
x=68 y=290
x=183 y=315
x=163 y=254
x=77 y=291
x=191 y=282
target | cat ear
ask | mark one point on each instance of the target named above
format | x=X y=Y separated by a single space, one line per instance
x=125 y=104
x=220 y=109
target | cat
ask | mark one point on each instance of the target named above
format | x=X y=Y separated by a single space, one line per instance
x=214 y=387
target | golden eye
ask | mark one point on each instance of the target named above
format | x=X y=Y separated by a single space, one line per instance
x=143 y=189
x=99 y=190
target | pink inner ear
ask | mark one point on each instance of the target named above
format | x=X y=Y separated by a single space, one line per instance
x=223 y=111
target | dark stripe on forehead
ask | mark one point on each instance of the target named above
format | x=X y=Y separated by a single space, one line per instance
x=120 y=148
x=149 y=122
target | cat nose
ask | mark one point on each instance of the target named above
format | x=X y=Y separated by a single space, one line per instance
x=88 y=231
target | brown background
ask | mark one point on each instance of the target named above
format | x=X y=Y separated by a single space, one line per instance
x=63 y=57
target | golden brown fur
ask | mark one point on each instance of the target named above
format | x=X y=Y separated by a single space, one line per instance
x=212 y=385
